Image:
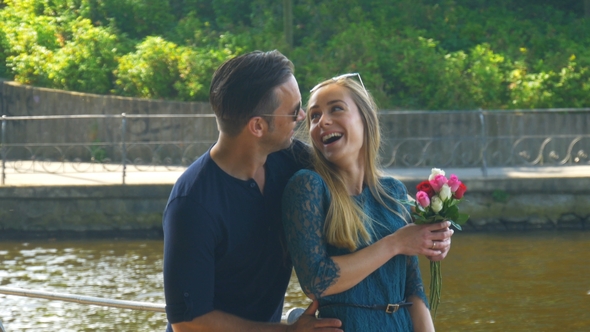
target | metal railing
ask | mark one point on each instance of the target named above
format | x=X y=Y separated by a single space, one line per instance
x=499 y=138
x=289 y=317
x=82 y=299
x=116 y=155
x=164 y=142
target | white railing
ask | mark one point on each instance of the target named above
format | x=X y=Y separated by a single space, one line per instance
x=134 y=305
x=289 y=317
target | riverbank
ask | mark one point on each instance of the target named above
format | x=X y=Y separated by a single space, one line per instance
x=97 y=205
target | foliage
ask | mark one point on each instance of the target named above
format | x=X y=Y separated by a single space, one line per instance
x=412 y=54
x=149 y=72
x=4 y=49
x=136 y=19
x=162 y=69
x=86 y=62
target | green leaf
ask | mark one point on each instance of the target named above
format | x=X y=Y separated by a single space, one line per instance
x=457 y=226
x=462 y=218
x=453 y=202
x=419 y=217
x=452 y=213
x=438 y=218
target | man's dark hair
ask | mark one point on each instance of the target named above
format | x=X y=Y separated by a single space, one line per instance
x=243 y=87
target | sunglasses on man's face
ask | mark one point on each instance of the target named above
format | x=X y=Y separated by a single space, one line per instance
x=295 y=115
x=341 y=77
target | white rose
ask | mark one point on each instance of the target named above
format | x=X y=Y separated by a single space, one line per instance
x=435 y=172
x=436 y=204
x=445 y=192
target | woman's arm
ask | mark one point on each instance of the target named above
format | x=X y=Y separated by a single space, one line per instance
x=409 y=240
x=420 y=315
x=305 y=204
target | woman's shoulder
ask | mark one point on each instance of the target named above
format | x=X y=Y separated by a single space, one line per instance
x=393 y=185
x=305 y=183
x=389 y=181
x=306 y=176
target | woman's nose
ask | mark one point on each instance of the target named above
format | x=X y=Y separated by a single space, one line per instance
x=325 y=120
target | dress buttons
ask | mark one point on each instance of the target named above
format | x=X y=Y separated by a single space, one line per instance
x=252 y=185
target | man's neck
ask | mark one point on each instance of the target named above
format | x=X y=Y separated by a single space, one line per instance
x=240 y=157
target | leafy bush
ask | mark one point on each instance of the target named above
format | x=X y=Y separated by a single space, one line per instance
x=4 y=50
x=162 y=69
x=412 y=54
x=85 y=63
x=134 y=18
x=150 y=72
x=29 y=41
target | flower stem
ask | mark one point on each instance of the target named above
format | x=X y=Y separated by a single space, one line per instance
x=435 y=287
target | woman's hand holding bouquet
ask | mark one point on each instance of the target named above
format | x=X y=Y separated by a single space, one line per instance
x=436 y=201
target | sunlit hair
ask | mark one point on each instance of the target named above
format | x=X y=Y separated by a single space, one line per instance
x=346 y=225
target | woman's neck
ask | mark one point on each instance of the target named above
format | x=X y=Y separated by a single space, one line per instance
x=354 y=179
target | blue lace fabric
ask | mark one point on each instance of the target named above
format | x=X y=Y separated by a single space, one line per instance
x=305 y=204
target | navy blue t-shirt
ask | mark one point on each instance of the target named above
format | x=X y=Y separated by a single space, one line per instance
x=224 y=246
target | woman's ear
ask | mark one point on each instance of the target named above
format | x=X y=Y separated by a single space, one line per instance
x=257 y=126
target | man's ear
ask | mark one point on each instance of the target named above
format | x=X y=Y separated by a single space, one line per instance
x=257 y=126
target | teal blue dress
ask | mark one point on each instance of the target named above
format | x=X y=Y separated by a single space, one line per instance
x=305 y=205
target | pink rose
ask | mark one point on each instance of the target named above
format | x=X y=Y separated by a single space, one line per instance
x=454 y=182
x=438 y=181
x=423 y=199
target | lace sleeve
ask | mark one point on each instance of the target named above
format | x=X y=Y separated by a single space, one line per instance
x=305 y=204
x=414 y=285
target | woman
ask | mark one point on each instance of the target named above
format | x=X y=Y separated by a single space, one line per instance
x=350 y=239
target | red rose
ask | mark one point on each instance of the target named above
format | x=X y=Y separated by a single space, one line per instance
x=426 y=187
x=460 y=191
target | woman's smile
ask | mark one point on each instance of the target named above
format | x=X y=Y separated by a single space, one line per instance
x=331 y=138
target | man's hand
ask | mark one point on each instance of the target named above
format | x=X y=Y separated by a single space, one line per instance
x=308 y=322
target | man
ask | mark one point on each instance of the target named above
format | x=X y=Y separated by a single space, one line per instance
x=225 y=262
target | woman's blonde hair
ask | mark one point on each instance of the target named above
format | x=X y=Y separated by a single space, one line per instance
x=346 y=224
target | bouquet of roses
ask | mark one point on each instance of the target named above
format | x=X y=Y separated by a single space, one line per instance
x=436 y=201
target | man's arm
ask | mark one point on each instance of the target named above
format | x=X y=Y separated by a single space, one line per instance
x=220 y=321
x=188 y=275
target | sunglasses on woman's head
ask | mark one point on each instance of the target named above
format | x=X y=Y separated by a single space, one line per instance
x=341 y=77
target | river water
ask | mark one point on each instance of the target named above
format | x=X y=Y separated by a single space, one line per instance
x=491 y=282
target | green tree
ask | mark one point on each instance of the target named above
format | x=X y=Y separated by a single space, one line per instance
x=87 y=61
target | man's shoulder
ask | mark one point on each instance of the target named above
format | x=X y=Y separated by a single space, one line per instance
x=297 y=155
x=196 y=176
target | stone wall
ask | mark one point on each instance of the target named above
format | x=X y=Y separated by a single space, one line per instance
x=493 y=204
x=411 y=138
x=82 y=210
x=22 y=100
